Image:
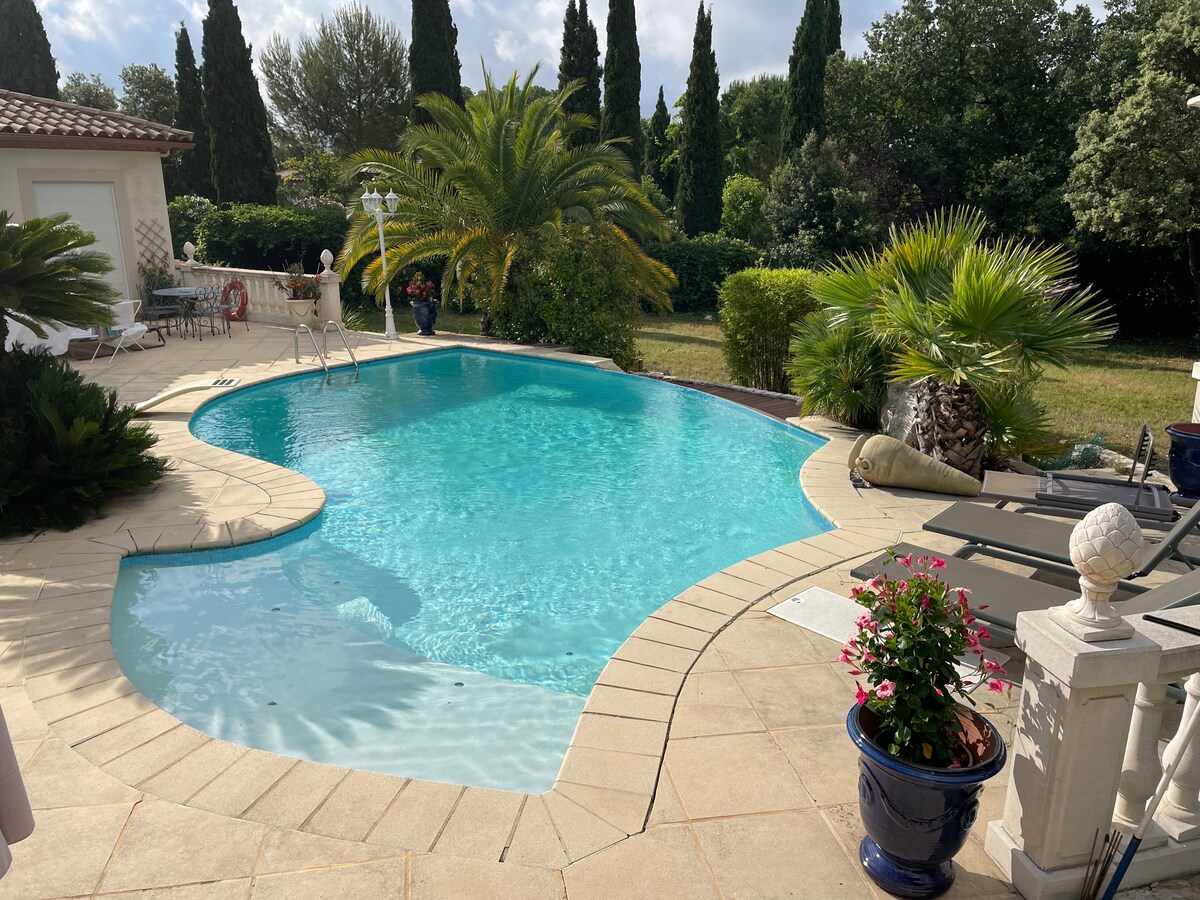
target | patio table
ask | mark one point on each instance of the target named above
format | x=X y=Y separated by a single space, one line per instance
x=187 y=297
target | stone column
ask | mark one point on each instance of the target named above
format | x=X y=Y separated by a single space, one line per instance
x=329 y=307
x=189 y=263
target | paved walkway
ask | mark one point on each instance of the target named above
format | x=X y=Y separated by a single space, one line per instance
x=710 y=761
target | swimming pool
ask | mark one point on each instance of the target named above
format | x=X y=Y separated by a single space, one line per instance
x=495 y=527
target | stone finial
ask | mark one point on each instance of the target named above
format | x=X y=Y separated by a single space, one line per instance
x=327 y=259
x=1106 y=546
x=189 y=250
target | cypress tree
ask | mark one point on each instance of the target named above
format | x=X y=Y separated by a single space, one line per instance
x=700 y=166
x=805 y=111
x=433 y=54
x=623 y=80
x=243 y=165
x=835 y=26
x=581 y=60
x=656 y=143
x=26 y=64
x=195 y=165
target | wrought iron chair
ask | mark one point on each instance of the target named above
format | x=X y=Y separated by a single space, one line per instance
x=207 y=311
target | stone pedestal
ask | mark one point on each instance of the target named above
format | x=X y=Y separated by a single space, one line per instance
x=329 y=307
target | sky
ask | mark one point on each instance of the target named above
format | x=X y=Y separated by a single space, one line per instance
x=750 y=36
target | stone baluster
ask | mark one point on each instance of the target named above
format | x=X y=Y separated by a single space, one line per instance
x=330 y=306
x=1179 y=814
x=1141 y=770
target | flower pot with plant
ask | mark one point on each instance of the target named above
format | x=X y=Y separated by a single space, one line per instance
x=923 y=755
x=422 y=296
x=303 y=291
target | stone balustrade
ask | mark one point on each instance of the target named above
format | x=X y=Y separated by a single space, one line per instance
x=1087 y=754
x=267 y=303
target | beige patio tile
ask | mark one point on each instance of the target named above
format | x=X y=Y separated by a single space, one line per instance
x=735 y=774
x=691 y=616
x=179 y=781
x=415 y=819
x=622 y=674
x=63 y=640
x=244 y=531
x=711 y=600
x=534 y=841
x=751 y=643
x=670 y=633
x=665 y=808
x=152 y=757
x=618 y=808
x=653 y=653
x=782 y=855
x=434 y=877
x=355 y=805
x=285 y=850
x=41 y=687
x=59 y=777
x=661 y=864
x=69 y=603
x=582 y=832
x=481 y=824
x=83 y=698
x=79 y=618
x=769 y=579
x=797 y=695
x=373 y=879
x=617 y=733
x=24 y=723
x=239 y=786
x=824 y=758
x=65 y=854
x=165 y=844
x=614 y=701
x=297 y=795
x=610 y=769
x=738 y=588
x=790 y=565
x=176 y=537
x=92 y=722
x=123 y=738
x=233 y=889
x=713 y=703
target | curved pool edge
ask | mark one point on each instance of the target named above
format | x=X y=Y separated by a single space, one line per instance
x=607 y=781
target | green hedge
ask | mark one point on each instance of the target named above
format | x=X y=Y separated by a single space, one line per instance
x=701 y=264
x=247 y=236
x=185 y=215
x=760 y=308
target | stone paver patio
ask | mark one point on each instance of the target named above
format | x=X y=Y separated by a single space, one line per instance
x=710 y=761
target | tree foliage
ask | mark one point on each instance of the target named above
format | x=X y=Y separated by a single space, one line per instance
x=659 y=146
x=580 y=61
x=622 y=116
x=433 y=57
x=90 y=91
x=243 y=165
x=752 y=115
x=700 y=166
x=194 y=173
x=742 y=210
x=805 y=110
x=26 y=63
x=148 y=93
x=342 y=89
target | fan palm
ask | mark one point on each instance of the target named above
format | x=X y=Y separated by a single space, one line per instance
x=484 y=186
x=49 y=276
x=967 y=317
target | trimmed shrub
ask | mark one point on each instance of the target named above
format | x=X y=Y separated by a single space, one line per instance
x=247 y=236
x=70 y=445
x=837 y=372
x=759 y=310
x=701 y=264
x=185 y=215
x=742 y=210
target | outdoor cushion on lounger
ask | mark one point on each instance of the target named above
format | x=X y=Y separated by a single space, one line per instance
x=1073 y=494
x=1005 y=594
x=1010 y=535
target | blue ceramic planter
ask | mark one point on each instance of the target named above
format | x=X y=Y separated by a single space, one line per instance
x=1184 y=458
x=917 y=818
x=424 y=315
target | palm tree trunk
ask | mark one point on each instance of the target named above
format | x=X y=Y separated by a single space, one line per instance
x=950 y=425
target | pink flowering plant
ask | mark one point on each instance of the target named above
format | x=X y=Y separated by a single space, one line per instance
x=913 y=634
x=421 y=288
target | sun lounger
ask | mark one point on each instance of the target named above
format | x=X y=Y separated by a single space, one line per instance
x=1009 y=535
x=1006 y=593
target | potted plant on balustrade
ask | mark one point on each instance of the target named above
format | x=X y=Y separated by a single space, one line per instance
x=422 y=296
x=923 y=755
x=303 y=291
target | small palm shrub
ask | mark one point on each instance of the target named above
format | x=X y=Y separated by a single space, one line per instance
x=759 y=310
x=837 y=372
x=69 y=445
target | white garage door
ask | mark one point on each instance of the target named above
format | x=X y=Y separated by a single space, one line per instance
x=93 y=205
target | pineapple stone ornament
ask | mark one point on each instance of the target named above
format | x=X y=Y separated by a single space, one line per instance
x=1106 y=546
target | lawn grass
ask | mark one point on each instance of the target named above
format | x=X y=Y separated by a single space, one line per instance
x=1113 y=390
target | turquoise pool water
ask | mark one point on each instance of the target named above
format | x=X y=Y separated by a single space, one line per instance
x=495 y=528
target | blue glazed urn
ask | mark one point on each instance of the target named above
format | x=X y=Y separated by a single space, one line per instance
x=424 y=315
x=1184 y=458
x=918 y=817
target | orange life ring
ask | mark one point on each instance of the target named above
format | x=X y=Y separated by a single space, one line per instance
x=234 y=300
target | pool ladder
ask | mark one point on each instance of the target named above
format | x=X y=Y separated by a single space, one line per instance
x=322 y=351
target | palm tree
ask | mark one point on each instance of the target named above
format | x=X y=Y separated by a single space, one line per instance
x=974 y=321
x=48 y=276
x=484 y=187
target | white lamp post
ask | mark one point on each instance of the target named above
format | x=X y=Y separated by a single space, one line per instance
x=1194 y=102
x=373 y=205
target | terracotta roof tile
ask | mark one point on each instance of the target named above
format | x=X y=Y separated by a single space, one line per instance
x=23 y=114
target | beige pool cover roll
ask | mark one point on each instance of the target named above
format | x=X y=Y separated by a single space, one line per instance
x=16 y=818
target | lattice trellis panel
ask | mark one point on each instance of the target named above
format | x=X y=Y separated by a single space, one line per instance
x=152 y=244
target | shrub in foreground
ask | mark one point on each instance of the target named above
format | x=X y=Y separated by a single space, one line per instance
x=760 y=308
x=838 y=372
x=69 y=445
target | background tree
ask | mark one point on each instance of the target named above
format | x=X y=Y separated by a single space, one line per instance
x=148 y=93
x=1136 y=176
x=343 y=89
x=194 y=171
x=89 y=91
x=700 y=170
x=805 y=110
x=26 y=64
x=658 y=146
x=243 y=166
x=751 y=125
x=580 y=59
x=622 y=116
x=834 y=27
x=433 y=60
x=742 y=210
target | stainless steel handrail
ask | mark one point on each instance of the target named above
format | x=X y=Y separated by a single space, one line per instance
x=316 y=349
x=342 y=334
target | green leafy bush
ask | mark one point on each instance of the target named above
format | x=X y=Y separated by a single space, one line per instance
x=248 y=236
x=742 y=210
x=759 y=310
x=185 y=215
x=837 y=372
x=701 y=264
x=70 y=444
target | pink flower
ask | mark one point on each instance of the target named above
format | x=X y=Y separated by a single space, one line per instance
x=984 y=634
x=845 y=658
x=996 y=686
x=855 y=671
x=856 y=592
x=935 y=563
x=905 y=561
x=962 y=596
x=860 y=695
x=925 y=602
x=863 y=621
x=969 y=619
x=992 y=666
x=972 y=640
x=869 y=657
x=982 y=606
x=886 y=689
x=938 y=691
